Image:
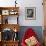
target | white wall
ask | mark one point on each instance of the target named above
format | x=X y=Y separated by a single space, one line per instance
x=27 y=3
x=39 y=13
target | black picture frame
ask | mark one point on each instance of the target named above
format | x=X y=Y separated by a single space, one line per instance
x=30 y=13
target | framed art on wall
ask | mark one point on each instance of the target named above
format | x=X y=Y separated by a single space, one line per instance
x=30 y=13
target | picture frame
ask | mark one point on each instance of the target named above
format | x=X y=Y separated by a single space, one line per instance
x=5 y=12
x=13 y=12
x=30 y=13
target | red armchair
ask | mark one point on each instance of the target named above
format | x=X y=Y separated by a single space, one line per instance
x=30 y=34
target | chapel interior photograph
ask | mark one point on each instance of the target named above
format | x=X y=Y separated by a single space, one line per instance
x=22 y=22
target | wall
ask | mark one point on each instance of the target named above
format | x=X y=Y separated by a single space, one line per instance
x=39 y=13
x=27 y=3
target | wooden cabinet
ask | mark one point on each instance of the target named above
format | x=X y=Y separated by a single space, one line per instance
x=7 y=26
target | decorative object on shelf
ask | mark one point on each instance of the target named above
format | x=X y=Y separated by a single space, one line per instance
x=15 y=37
x=30 y=13
x=13 y=12
x=15 y=34
x=6 y=21
x=15 y=30
x=15 y=3
x=5 y=12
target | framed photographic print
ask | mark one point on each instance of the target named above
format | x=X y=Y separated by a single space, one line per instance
x=5 y=12
x=30 y=13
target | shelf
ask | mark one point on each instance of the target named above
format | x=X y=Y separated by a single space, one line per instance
x=10 y=26
x=5 y=12
x=11 y=41
x=9 y=10
x=5 y=8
